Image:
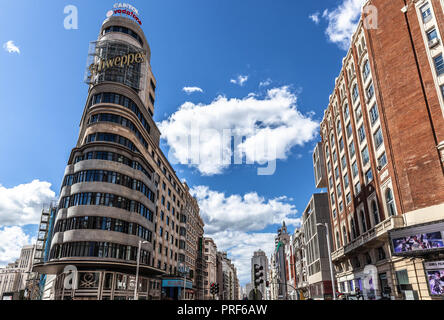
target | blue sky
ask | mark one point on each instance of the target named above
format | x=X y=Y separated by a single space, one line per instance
x=294 y=46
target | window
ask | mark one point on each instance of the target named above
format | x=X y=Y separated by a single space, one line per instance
x=335 y=156
x=365 y=156
x=375 y=211
x=343 y=162
x=353 y=228
x=439 y=64
x=344 y=234
x=341 y=144
x=361 y=133
x=432 y=34
x=332 y=197
x=328 y=166
x=346 y=181
x=330 y=180
x=338 y=127
x=426 y=13
x=349 y=130
x=382 y=161
x=346 y=112
x=351 y=149
x=378 y=138
x=381 y=253
x=355 y=93
x=358 y=187
x=368 y=176
x=358 y=113
x=339 y=190
x=354 y=169
x=338 y=241
x=332 y=141
x=374 y=115
x=370 y=91
x=364 y=226
x=348 y=198
x=327 y=153
x=366 y=70
x=341 y=207
x=390 y=201
x=337 y=173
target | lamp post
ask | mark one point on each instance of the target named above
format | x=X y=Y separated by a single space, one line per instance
x=137 y=269
x=329 y=259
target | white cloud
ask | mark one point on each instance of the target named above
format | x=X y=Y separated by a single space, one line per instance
x=246 y=213
x=236 y=223
x=265 y=83
x=22 y=205
x=271 y=127
x=11 y=47
x=315 y=17
x=12 y=239
x=240 y=80
x=241 y=247
x=342 y=21
x=190 y=90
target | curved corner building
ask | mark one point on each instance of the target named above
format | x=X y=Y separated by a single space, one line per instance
x=109 y=193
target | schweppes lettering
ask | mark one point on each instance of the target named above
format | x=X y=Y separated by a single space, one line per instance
x=126 y=60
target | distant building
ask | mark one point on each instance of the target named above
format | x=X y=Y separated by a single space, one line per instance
x=211 y=263
x=14 y=278
x=260 y=258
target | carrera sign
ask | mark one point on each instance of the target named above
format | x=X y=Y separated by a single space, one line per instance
x=125 y=9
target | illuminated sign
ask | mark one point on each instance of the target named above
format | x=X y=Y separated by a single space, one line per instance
x=125 y=9
x=418 y=239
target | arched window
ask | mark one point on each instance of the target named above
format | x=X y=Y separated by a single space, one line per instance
x=344 y=234
x=375 y=212
x=355 y=93
x=366 y=70
x=338 y=240
x=353 y=228
x=390 y=201
x=364 y=226
x=346 y=112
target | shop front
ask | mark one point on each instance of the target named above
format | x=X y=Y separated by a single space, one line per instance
x=173 y=289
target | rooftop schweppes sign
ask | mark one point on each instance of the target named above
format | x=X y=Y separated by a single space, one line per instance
x=116 y=62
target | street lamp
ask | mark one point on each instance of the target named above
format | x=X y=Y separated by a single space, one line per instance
x=137 y=269
x=329 y=259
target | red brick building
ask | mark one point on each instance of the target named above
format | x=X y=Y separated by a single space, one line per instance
x=383 y=147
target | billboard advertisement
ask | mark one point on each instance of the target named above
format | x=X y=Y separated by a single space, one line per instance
x=417 y=240
x=435 y=277
x=423 y=241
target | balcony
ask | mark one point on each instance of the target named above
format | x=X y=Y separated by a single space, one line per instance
x=376 y=232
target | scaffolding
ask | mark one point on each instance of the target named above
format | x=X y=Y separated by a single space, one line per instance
x=132 y=75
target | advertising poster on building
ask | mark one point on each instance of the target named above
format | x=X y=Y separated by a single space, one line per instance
x=435 y=277
x=417 y=242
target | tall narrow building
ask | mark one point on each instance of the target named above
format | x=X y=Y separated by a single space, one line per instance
x=383 y=144
x=119 y=191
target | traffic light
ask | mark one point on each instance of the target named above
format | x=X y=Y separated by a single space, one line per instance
x=214 y=288
x=258 y=275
